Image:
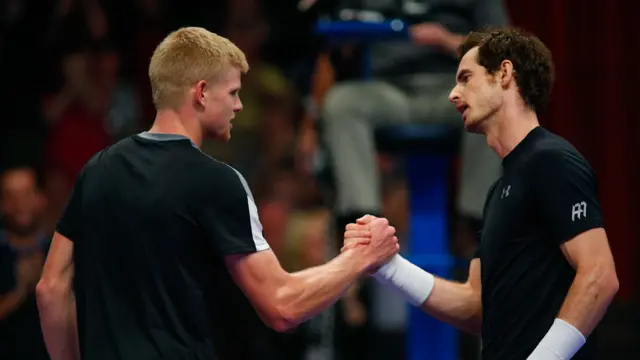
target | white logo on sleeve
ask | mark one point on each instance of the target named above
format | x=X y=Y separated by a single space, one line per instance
x=578 y=211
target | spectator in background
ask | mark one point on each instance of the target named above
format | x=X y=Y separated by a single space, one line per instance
x=149 y=28
x=412 y=83
x=76 y=117
x=23 y=248
x=118 y=100
x=76 y=130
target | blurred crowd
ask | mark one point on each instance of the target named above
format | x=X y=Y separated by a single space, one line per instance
x=74 y=75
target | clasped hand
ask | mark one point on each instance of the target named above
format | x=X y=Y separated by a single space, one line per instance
x=376 y=238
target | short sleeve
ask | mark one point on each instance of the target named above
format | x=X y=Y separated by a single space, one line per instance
x=565 y=190
x=229 y=216
x=70 y=221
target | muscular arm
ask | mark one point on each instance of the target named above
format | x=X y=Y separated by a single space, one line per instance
x=567 y=196
x=56 y=302
x=458 y=304
x=595 y=283
x=285 y=300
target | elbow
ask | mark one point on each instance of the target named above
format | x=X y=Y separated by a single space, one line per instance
x=473 y=324
x=607 y=281
x=281 y=318
x=610 y=284
x=603 y=281
x=47 y=290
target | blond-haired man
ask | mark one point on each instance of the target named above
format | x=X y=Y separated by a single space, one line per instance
x=165 y=242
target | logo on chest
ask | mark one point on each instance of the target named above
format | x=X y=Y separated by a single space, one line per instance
x=505 y=192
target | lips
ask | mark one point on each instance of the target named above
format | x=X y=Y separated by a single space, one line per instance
x=462 y=108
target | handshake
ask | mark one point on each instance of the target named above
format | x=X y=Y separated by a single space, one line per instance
x=377 y=242
x=373 y=239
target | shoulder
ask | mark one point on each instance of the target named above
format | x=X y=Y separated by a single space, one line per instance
x=221 y=180
x=555 y=155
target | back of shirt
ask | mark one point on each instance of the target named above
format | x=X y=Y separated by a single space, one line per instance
x=151 y=219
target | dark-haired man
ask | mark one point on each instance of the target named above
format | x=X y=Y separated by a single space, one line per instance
x=543 y=275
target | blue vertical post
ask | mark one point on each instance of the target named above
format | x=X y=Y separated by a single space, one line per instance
x=428 y=338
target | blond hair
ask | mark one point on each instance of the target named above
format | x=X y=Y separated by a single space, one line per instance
x=186 y=56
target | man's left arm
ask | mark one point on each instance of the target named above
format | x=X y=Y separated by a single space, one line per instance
x=54 y=292
x=567 y=194
x=56 y=302
x=595 y=283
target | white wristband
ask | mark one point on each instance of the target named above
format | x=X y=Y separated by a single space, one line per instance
x=413 y=283
x=562 y=342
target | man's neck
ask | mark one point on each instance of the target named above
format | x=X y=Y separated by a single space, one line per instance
x=508 y=128
x=169 y=121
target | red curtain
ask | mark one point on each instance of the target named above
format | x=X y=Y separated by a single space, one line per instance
x=594 y=103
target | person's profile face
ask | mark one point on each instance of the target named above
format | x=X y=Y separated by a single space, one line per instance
x=222 y=103
x=477 y=95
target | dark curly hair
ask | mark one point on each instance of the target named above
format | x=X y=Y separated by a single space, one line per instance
x=532 y=61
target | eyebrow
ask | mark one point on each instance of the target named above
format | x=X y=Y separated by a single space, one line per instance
x=462 y=73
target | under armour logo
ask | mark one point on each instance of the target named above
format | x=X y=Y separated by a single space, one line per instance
x=505 y=192
x=578 y=211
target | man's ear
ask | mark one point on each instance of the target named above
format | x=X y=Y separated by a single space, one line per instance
x=507 y=74
x=200 y=92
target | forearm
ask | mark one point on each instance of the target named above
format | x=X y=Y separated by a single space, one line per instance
x=585 y=304
x=456 y=304
x=59 y=323
x=11 y=301
x=309 y=292
x=588 y=299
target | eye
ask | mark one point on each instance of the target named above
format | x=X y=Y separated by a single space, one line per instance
x=465 y=78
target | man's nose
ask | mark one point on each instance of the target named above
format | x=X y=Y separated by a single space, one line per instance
x=454 y=95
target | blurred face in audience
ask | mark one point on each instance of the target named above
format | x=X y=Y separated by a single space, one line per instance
x=21 y=201
x=477 y=94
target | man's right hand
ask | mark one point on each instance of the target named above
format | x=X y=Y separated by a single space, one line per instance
x=382 y=245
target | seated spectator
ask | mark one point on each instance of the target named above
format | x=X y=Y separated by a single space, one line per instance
x=23 y=248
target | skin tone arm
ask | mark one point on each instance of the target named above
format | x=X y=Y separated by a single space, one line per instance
x=56 y=303
x=284 y=300
x=458 y=304
x=595 y=284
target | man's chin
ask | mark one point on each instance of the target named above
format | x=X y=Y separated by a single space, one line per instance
x=473 y=126
x=224 y=137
